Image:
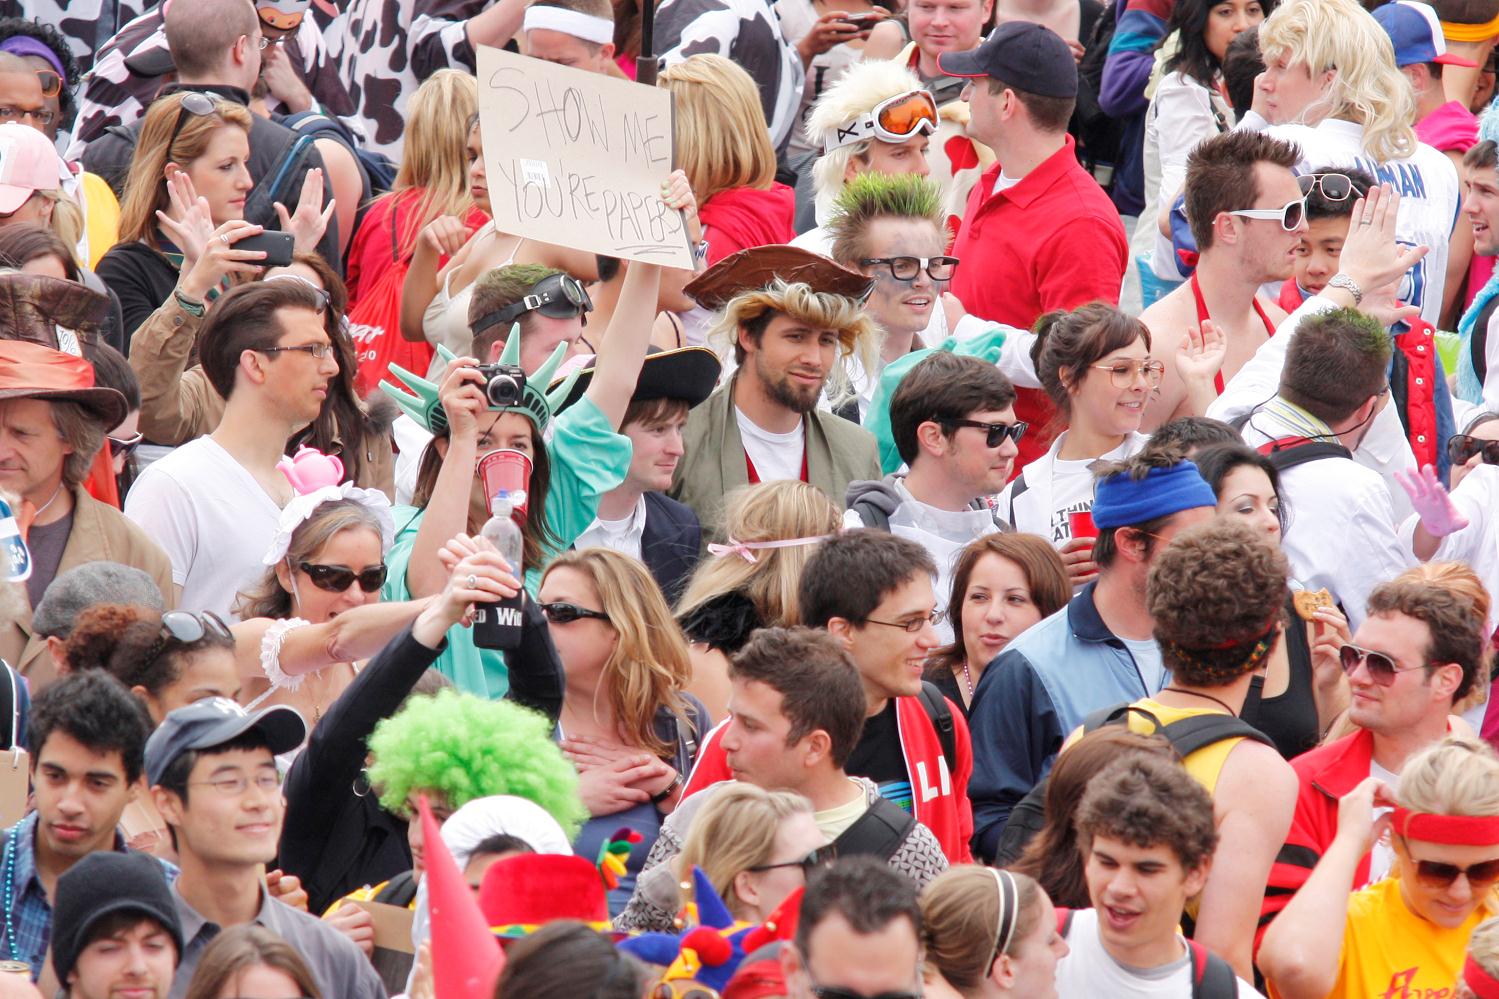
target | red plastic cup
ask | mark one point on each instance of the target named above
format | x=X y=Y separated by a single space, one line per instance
x=1080 y=522
x=507 y=471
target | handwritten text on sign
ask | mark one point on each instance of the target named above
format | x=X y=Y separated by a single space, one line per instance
x=577 y=159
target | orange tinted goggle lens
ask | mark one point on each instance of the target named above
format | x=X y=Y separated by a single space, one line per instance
x=904 y=116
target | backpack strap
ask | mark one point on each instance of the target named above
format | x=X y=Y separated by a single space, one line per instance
x=1118 y=714
x=1288 y=452
x=879 y=832
x=940 y=712
x=1212 y=977
x=1064 y=921
x=1188 y=735
x=398 y=891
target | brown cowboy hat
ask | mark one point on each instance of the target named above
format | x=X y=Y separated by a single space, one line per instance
x=757 y=267
x=31 y=371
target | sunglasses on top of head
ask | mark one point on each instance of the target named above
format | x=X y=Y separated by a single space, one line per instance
x=185 y=628
x=338 y=578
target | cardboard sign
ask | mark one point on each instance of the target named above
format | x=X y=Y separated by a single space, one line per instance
x=394 y=955
x=577 y=159
x=15 y=785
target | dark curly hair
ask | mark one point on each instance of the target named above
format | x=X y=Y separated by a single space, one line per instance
x=1216 y=593
x=54 y=40
x=115 y=638
x=1146 y=801
x=95 y=710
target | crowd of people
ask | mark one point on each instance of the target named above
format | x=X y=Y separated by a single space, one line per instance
x=1043 y=546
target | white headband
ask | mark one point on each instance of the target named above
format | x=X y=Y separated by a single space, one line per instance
x=599 y=30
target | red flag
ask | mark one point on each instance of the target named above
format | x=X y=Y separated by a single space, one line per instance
x=466 y=957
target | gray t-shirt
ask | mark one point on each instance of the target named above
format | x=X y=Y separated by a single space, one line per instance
x=46 y=544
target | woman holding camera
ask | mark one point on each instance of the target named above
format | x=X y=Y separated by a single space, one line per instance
x=565 y=472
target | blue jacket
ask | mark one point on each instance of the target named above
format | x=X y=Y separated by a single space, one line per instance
x=1031 y=696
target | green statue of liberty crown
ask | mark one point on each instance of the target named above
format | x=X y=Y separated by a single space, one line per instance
x=422 y=404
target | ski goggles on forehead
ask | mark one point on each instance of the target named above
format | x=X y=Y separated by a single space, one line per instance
x=559 y=296
x=894 y=119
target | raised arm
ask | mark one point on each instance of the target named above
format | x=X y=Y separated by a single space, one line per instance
x=446 y=513
x=1303 y=949
x=352 y=636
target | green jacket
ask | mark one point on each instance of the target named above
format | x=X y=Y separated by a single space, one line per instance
x=838 y=452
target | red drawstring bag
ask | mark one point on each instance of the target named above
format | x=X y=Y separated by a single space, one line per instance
x=375 y=323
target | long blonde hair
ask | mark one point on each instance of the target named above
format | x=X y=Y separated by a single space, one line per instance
x=1367 y=87
x=770 y=511
x=1457 y=776
x=434 y=156
x=736 y=830
x=721 y=136
x=650 y=666
x=146 y=184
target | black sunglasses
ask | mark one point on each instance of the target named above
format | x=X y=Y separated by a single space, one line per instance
x=1462 y=447
x=820 y=857
x=997 y=432
x=1439 y=874
x=1382 y=669
x=125 y=448
x=338 y=578
x=560 y=613
x=194 y=102
x=839 y=992
x=185 y=628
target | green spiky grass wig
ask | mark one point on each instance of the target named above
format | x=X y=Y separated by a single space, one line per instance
x=460 y=747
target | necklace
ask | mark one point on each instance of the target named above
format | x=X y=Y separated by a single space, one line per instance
x=1206 y=697
x=10 y=889
x=967 y=679
x=55 y=493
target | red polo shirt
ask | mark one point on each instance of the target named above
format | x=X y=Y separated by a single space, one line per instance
x=1053 y=241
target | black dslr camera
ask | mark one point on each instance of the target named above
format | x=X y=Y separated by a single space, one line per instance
x=504 y=384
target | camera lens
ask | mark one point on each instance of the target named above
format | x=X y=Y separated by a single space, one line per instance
x=503 y=390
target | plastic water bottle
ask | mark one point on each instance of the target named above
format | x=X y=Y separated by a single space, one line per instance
x=497 y=625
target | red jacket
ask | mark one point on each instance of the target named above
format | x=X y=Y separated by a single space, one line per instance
x=1053 y=241
x=940 y=799
x=1325 y=774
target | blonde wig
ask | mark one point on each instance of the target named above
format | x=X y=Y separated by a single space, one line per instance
x=1367 y=88
x=960 y=922
x=857 y=91
x=435 y=157
x=858 y=336
x=1459 y=579
x=1457 y=776
x=146 y=184
x=770 y=511
x=721 y=136
x=736 y=830
x=650 y=666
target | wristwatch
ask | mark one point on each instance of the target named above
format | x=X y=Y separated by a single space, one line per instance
x=668 y=791
x=1349 y=285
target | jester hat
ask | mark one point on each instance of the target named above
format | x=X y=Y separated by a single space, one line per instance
x=708 y=949
x=421 y=403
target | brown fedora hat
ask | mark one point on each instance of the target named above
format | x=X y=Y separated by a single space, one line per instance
x=31 y=371
x=759 y=266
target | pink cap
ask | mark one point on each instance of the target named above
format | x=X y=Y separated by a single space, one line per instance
x=28 y=163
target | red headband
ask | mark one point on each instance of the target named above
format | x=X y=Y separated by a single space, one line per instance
x=1483 y=984
x=1453 y=830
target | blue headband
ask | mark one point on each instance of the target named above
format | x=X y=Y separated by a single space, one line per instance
x=1122 y=501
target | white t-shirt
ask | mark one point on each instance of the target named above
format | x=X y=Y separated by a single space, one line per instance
x=1382 y=853
x=1088 y=970
x=1040 y=498
x=1430 y=197
x=775 y=456
x=211 y=517
x=622 y=536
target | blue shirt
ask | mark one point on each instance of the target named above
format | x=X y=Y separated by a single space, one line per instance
x=28 y=916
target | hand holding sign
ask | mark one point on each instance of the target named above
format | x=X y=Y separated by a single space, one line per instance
x=578 y=159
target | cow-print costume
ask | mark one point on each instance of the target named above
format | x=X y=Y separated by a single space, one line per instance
x=135 y=64
x=86 y=24
x=385 y=49
x=749 y=33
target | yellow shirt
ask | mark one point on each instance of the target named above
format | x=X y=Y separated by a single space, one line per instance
x=1207 y=763
x=1388 y=950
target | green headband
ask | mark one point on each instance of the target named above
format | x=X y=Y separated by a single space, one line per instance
x=422 y=404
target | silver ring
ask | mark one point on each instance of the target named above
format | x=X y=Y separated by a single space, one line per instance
x=224 y=238
x=472 y=581
x=1366 y=220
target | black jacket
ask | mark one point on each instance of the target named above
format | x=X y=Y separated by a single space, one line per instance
x=336 y=837
x=110 y=154
x=670 y=543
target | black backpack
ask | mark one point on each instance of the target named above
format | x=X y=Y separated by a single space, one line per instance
x=1186 y=735
x=940 y=714
x=1212 y=977
x=878 y=833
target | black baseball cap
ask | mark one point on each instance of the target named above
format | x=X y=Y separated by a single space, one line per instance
x=215 y=721
x=1027 y=56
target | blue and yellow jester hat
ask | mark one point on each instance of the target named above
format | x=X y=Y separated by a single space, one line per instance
x=422 y=405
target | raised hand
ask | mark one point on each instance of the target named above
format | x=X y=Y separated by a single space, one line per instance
x=1371 y=256
x=308 y=223
x=1356 y=811
x=443 y=236
x=1199 y=357
x=677 y=193
x=189 y=223
x=462 y=397
x=1432 y=503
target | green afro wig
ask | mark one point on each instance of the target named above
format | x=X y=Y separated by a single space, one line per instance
x=460 y=747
